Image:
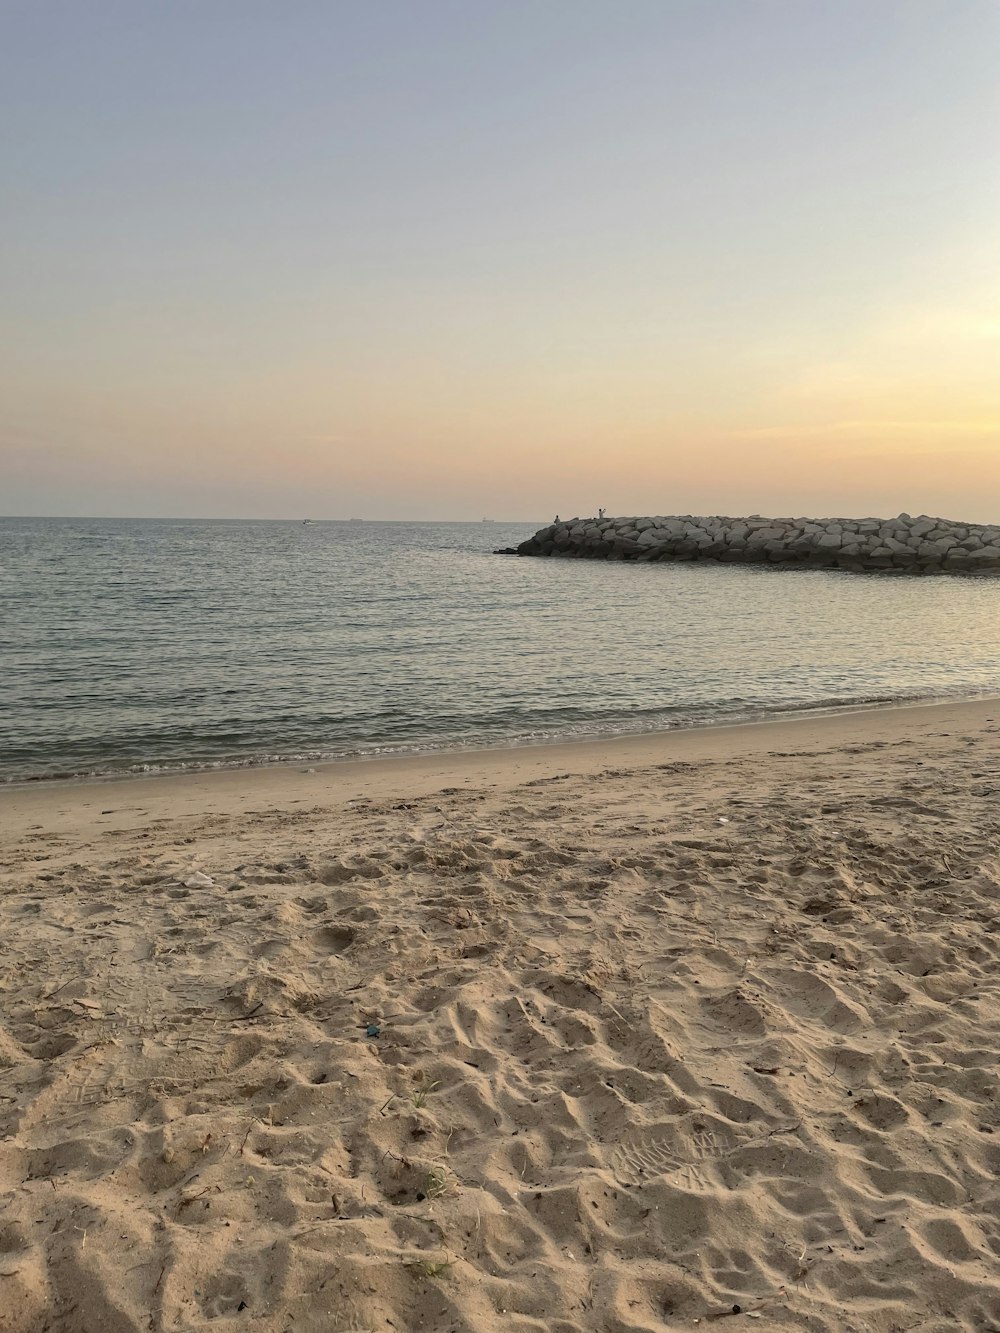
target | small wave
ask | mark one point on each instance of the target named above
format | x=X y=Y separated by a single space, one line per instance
x=636 y=723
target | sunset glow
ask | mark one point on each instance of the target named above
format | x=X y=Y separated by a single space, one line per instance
x=445 y=260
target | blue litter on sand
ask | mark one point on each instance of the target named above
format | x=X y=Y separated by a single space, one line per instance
x=372 y=1030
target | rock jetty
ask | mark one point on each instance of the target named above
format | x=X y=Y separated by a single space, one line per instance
x=904 y=545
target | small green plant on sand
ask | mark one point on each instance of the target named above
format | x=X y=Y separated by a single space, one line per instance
x=437 y=1182
x=431 y=1267
x=419 y=1098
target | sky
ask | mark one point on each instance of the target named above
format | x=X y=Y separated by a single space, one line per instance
x=462 y=258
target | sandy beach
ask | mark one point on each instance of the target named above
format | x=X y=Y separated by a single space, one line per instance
x=620 y=1036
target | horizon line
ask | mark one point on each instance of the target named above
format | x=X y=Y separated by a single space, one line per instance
x=246 y=518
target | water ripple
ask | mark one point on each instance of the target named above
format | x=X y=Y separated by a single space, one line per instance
x=134 y=646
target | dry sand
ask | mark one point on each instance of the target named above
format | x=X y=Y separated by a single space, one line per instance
x=611 y=1037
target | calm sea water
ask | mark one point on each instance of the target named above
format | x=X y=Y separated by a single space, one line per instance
x=129 y=646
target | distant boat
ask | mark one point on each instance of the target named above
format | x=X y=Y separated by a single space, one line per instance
x=489 y=520
x=355 y=520
x=305 y=521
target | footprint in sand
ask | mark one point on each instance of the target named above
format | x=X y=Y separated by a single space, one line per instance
x=333 y=939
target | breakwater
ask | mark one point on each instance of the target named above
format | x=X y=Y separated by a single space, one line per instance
x=921 y=545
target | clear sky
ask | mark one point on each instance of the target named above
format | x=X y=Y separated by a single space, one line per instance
x=455 y=258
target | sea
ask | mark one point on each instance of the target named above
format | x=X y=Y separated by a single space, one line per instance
x=145 y=646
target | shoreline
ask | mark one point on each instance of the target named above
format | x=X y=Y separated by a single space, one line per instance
x=193 y=769
x=790 y=713
x=285 y=784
